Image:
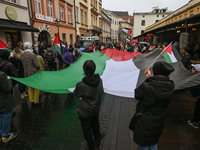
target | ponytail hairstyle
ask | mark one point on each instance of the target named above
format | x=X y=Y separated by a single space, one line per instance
x=89 y=67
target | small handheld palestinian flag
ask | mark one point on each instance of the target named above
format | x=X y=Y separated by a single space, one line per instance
x=56 y=44
x=127 y=32
x=4 y=46
x=169 y=53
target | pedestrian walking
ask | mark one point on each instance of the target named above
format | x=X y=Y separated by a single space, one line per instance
x=71 y=49
x=154 y=95
x=77 y=52
x=89 y=91
x=7 y=104
x=41 y=49
x=68 y=58
x=50 y=55
x=186 y=58
x=16 y=61
x=31 y=66
x=6 y=66
x=40 y=60
x=194 y=122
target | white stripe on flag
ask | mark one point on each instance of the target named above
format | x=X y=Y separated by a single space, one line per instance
x=120 y=78
x=173 y=58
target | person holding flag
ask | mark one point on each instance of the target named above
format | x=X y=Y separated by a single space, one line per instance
x=154 y=96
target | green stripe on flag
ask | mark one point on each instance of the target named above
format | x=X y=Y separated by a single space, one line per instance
x=168 y=59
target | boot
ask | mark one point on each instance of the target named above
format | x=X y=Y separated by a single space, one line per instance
x=22 y=96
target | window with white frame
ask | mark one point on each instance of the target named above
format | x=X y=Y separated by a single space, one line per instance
x=85 y=18
x=38 y=6
x=61 y=13
x=82 y=16
x=13 y=1
x=50 y=8
x=69 y=15
x=76 y=9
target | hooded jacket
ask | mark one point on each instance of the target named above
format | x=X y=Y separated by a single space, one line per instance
x=91 y=90
x=30 y=63
x=7 y=102
x=54 y=53
x=8 y=68
x=68 y=57
x=150 y=124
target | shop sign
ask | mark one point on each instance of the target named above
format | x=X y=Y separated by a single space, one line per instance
x=43 y=17
x=11 y=13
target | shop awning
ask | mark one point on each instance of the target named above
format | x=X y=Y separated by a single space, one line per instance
x=189 y=20
x=16 y=25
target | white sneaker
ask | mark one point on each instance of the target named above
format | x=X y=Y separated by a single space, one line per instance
x=193 y=124
x=25 y=95
x=12 y=135
x=22 y=96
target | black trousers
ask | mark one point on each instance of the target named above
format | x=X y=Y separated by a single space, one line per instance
x=196 y=114
x=89 y=126
x=52 y=66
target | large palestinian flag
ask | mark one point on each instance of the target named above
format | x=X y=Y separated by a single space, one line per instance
x=121 y=73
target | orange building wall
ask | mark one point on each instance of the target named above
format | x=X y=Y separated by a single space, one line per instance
x=54 y=29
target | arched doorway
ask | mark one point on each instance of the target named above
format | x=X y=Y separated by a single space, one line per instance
x=43 y=37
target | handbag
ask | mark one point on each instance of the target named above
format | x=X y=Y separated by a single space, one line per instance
x=137 y=115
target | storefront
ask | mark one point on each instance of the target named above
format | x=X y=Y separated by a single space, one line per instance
x=14 y=23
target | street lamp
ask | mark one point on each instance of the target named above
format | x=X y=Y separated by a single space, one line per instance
x=58 y=24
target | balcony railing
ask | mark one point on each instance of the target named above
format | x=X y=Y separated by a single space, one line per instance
x=95 y=28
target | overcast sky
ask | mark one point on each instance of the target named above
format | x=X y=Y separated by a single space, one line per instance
x=141 y=5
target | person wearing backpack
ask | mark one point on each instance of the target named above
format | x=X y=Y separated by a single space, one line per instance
x=50 y=56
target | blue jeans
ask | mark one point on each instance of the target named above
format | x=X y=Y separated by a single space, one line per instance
x=5 y=121
x=152 y=147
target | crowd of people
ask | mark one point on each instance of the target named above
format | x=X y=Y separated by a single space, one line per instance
x=27 y=60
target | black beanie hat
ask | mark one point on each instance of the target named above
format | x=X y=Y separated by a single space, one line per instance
x=4 y=53
x=162 y=68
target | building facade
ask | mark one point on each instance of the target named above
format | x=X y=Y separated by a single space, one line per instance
x=182 y=25
x=88 y=17
x=49 y=16
x=143 y=20
x=106 y=27
x=114 y=25
x=15 y=22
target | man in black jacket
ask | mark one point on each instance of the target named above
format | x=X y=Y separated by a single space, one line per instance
x=89 y=91
x=187 y=57
x=154 y=96
x=7 y=103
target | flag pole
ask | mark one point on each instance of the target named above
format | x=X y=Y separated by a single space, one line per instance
x=159 y=55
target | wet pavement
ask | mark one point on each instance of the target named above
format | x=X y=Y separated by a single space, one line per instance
x=55 y=125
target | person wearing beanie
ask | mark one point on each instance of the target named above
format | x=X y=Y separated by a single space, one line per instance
x=31 y=66
x=194 y=122
x=153 y=95
x=6 y=66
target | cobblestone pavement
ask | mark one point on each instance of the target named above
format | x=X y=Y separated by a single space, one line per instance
x=54 y=124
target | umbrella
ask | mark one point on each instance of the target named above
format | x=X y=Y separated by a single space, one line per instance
x=143 y=43
x=134 y=41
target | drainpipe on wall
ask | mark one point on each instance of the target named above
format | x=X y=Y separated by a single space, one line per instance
x=30 y=20
x=75 y=19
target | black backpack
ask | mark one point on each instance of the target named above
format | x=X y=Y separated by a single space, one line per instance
x=50 y=56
